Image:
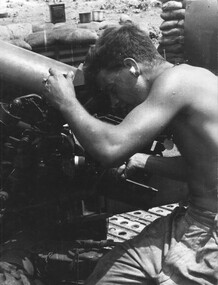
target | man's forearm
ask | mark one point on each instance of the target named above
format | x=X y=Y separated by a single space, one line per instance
x=100 y=139
x=87 y=129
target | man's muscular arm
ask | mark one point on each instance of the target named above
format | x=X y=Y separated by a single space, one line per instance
x=112 y=145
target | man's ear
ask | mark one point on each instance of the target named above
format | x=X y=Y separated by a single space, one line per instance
x=133 y=66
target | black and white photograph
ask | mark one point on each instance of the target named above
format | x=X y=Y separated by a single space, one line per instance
x=108 y=142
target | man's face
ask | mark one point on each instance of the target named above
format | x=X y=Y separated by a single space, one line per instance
x=121 y=87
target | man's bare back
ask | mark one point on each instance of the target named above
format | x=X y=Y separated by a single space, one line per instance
x=195 y=131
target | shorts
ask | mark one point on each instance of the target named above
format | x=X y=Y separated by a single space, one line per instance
x=181 y=249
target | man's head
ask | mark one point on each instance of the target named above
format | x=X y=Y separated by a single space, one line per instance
x=119 y=47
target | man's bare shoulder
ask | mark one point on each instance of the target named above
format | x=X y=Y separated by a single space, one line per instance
x=183 y=81
x=168 y=87
x=186 y=74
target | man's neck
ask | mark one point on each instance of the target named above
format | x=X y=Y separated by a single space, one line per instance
x=156 y=70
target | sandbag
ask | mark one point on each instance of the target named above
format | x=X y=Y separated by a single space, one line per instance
x=172 y=5
x=107 y=24
x=167 y=25
x=75 y=36
x=64 y=26
x=171 y=40
x=38 y=27
x=41 y=39
x=173 y=55
x=5 y=33
x=173 y=15
x=20 y=30
x=175 y=48
x=20 y=43
x=173 y=32
x=94 y=26
x=175 y=59
x=164 y=1
x=124 y=18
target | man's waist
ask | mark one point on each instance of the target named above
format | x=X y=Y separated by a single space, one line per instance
x=202 y=215
x=205 y=203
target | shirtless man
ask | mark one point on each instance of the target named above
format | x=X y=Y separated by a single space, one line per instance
x=181 y=248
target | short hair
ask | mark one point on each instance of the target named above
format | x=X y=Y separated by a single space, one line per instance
x=114 y=45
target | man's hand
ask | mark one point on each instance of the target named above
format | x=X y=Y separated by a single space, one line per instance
x=135 y=165
x=58 y=89
x=141 y=163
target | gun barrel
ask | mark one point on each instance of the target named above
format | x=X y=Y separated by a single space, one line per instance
x=27 y=68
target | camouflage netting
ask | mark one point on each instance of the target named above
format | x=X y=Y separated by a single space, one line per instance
x=171 y=43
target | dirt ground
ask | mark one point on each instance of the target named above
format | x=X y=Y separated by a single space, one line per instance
x=146 y=13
